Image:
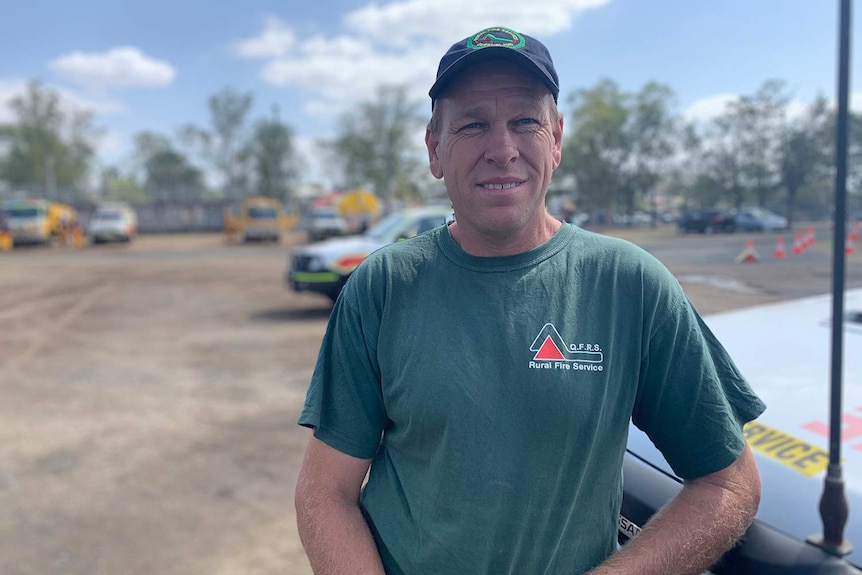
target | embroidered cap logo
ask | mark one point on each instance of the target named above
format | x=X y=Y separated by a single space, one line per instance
x=496 y=38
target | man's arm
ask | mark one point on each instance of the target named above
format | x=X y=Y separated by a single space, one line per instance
x=696 y=527
x=333 y=532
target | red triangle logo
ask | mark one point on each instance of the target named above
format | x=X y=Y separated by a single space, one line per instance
x=549 y=351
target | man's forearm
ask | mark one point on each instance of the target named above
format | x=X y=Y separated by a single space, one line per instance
x=337 y=540
x=333 y=531
x=693 y=530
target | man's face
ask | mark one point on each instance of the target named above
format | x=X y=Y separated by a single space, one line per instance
x=496 y=147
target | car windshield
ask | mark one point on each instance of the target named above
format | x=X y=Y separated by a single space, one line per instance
x=386 y=227
x=262 y=213
x=21 y=212
x=109 y=216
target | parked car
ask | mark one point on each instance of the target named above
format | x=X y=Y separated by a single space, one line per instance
x=113 y=222
x=783 y=350
x=707 y=221
x=326 y=223
x=759 y=220
x=324 y=267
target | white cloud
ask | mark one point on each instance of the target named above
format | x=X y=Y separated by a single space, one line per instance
x=275 y=40
x=124 y=66
x=110 y=143
x=70 y=101
x=416 y=20
x=397 y=43
x=706 y=109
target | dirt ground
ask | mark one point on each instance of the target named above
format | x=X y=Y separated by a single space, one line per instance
x=149 y=393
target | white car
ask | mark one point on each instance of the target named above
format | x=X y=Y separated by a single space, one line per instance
x=113 y=223
x=326 y=223
x=783 y=350
x=324 y=267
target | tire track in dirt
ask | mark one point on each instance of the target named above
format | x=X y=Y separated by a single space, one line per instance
x=9 y=365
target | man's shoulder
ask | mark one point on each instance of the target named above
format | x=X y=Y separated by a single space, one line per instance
x=610 y=248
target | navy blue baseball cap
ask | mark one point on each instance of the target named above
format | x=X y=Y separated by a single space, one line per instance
x=496 y=43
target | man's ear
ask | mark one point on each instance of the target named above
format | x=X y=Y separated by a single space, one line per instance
x=432 y=142
x=558 y=142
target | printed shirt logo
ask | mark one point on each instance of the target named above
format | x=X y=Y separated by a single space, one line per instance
x=496 y=37
x=552 y=352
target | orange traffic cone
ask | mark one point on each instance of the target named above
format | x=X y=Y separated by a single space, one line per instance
x=810 y=238
x=854 y=232
x=748 y=255
x=780 y=252
x=797 y=245
x=849 y=248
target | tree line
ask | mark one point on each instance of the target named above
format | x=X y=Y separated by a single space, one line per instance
x=622 y=152
x=627 y=149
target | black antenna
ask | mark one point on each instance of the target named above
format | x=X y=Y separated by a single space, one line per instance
x=833 y=502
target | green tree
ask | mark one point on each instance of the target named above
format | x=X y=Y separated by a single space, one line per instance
x=805 y=152
x=276 y=162
x=121 y=188
x=48 y=148
x=168 y=174
x=620 y=143
x=226 y=144
x=720 y=156
x=763 y=116
x=595 y=150
x=374 y=143
x=653 y=130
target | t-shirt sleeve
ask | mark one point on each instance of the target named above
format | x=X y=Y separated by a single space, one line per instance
x=692 y=401
x=344 y=403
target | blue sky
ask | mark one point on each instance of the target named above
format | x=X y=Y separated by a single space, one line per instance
x=152 y=65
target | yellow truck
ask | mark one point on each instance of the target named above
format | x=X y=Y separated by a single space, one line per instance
x=36 y=221
x=5 y=236
x=256 y=219
x=359 y=207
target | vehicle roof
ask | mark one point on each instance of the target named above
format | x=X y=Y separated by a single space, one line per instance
x=260 y=200
x=784 y=351
x=25 y=202
x=366 y=243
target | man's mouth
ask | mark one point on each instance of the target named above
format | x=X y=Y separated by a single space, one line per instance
x=506 y=186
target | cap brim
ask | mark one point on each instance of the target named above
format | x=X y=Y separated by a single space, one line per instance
x=484 y=55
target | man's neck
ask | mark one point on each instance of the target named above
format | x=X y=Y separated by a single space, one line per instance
x=482 y=245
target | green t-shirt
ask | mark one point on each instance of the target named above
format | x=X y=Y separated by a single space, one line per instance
x=494 y=395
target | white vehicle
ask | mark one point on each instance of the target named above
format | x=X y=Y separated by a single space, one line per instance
x=324 y=267
x=113 y=223
x=326 y=223
x=784 y=351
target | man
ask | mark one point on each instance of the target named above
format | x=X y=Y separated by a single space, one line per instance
x=484 y=374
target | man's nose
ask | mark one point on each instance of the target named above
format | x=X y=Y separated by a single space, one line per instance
x=501 y=147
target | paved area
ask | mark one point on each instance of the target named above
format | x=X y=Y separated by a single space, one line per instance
x=148 y=395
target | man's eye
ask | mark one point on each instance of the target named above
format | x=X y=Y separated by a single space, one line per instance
x=527 y=122
x=471 y=126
